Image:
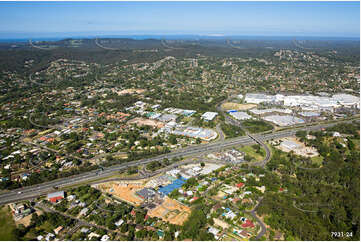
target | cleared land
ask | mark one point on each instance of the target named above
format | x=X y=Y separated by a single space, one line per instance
x=238 y=106
x=7 y=225
x=123 y=191
x=303 y=150
x=171 y=211
x=146 y=122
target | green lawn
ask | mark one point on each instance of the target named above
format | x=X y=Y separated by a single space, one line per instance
x=357 y=143
x=7 y=225
x=257 y=126
x=317 y=160
x=252 y=152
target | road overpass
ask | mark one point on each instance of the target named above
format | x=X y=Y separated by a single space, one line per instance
x=44 y=188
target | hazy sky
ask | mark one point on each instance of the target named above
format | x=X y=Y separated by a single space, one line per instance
x=338 y=19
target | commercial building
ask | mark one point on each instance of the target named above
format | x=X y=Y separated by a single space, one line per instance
x=209 y=116
x=309 y=114
x=195 y=132
x=270 y=110
x=284 y=120
x=239 y=115
x=307 y=102
x=167 y=117
x=290 y=145
x=259 y=98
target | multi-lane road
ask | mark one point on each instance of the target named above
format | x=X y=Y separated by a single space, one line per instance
x=41 y=189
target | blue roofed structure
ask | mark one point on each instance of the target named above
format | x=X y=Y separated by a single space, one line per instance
x=171 y=187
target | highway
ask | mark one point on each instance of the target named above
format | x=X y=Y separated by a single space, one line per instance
x=253 y=137
x=44 y=188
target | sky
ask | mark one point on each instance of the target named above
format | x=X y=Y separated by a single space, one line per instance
x=36 y=19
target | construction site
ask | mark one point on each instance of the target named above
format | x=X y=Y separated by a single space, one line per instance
x=157 y=204
x=125 y=191
x=171 y=210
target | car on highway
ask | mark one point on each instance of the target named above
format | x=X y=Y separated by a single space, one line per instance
x=20 y=192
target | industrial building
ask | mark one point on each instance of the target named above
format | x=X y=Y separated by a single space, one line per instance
x=270 y=110
x=290 y=145
x=307 y=102
x=195 y=132
x=239 y=115
x=285 y=120
x=309 y=114
x=259 y=98
x=167 y=117
x=209 y=116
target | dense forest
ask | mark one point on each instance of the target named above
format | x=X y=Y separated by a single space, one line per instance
x=315 y=201
x=13 y=58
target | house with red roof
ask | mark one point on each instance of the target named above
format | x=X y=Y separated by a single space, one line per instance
x=55 y=196
x=248 y=224
x=193 y=199
x=239 y=185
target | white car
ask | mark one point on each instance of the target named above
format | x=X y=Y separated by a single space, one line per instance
x=20 y=192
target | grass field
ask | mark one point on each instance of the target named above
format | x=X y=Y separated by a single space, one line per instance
x=7 y=225
x=357 y=143
x=256 y=126
x=238 y=106
x=317 y=160
x=252 y=152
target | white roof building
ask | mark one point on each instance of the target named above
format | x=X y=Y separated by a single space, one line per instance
x=240 y=115
x=336 y=134
x=209 y=116
x=120 y=222
x=105 y=238
x=259 y=98
x=270 y=110
x=213 y=231
x=92 y=234
x=346 y=99
x=284 y=120
x=173 y=172
x=290 y=145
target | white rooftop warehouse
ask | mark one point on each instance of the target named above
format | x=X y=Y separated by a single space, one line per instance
x=285 y=120
x=290 y=145
x=209 y=116
x=240 y=115
x=270 y=110
x=309 y=102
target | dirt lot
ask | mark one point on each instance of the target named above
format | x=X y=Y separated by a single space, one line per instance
x=123 y=191
x=171 y=211
x=26 y=220
x=220 y=196
x=131 y=91
x=303 y=151
x=146 y=122
x=238 y=106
